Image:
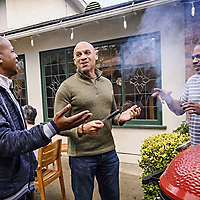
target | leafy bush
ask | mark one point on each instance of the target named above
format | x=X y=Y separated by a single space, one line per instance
x=156 y=153
x=183 y=128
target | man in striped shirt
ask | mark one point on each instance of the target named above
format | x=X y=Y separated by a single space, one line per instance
x=189 y=101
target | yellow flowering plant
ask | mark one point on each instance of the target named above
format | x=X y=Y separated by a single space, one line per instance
x=157 y=152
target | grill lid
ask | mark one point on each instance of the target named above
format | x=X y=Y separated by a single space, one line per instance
x=181 y=180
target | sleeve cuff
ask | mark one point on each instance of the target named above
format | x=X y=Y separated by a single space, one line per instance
x=115 y=120
x=50 y=129
x=54 y=126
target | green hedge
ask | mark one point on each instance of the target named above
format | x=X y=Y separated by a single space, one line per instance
x=156 y=153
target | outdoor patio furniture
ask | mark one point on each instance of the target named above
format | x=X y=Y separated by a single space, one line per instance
x=45 y=175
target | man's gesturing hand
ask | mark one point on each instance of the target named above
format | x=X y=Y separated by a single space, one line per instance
x=191 y=107
x=130 y=113
x=66 y=123
x=161 y=94
x=90 y=128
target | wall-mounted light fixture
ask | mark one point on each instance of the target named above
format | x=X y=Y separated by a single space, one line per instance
x=193 y=10
x=72 y=34
x=32 y=42
x=125 y=22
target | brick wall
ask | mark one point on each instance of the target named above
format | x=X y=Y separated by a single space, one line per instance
x=192 y=34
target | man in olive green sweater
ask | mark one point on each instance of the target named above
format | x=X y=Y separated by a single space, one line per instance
x=91 y=145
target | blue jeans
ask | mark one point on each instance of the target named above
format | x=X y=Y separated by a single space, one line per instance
x=106 y=169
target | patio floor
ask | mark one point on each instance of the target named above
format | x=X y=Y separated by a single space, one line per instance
x=130 y=186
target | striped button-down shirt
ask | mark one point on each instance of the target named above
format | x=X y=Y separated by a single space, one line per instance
x=192 y=93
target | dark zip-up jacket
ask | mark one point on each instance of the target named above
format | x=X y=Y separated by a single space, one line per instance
x=17 y=161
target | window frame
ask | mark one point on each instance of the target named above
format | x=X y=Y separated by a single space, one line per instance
x=42 y=72
x=137 y=123
x=22 y=57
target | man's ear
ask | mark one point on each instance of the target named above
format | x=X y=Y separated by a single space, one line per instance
x=74 y=61
x=96 y=56
x=1 y=61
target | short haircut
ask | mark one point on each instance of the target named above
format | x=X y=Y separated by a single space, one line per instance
x=198 y=43
x=30 y=114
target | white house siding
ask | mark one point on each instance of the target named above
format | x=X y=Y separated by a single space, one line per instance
x=22 y=13
x=128 y=140
x=3 y=18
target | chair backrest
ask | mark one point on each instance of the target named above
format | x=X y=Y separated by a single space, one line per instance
x=49 y=154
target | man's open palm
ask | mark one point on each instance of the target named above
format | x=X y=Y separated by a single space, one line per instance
x=66 y=123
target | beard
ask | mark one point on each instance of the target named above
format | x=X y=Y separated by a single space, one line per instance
x=196 y=68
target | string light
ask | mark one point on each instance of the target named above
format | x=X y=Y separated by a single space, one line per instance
x=125 y=22
x=72 y=34
x=193 y=10
x=135 y=13
x=32 y=42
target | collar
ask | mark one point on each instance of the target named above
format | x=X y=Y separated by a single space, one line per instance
x=97 y=72
x=5 y=82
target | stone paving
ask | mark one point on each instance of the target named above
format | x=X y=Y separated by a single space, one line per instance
x=130 y=185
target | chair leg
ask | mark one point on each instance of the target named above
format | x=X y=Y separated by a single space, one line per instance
x=41 y=188
x=42 y=193
x=62 y=186
x=32 y=195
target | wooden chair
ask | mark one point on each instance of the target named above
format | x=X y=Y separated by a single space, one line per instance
x=45 y=175
x=64 y=147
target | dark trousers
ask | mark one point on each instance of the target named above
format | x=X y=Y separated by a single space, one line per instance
x=106 y=169
x=26 y=197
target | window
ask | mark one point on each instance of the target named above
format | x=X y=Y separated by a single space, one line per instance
x=54 y=72
x=132 y=64
x=20 y=82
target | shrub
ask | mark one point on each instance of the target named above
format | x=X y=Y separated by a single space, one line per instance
x=183 y=128
x=157 y=152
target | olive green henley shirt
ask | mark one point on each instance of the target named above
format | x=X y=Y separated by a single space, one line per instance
x=95 y=95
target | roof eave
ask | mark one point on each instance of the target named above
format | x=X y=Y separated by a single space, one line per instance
x=80 y=4
x=80 y=19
